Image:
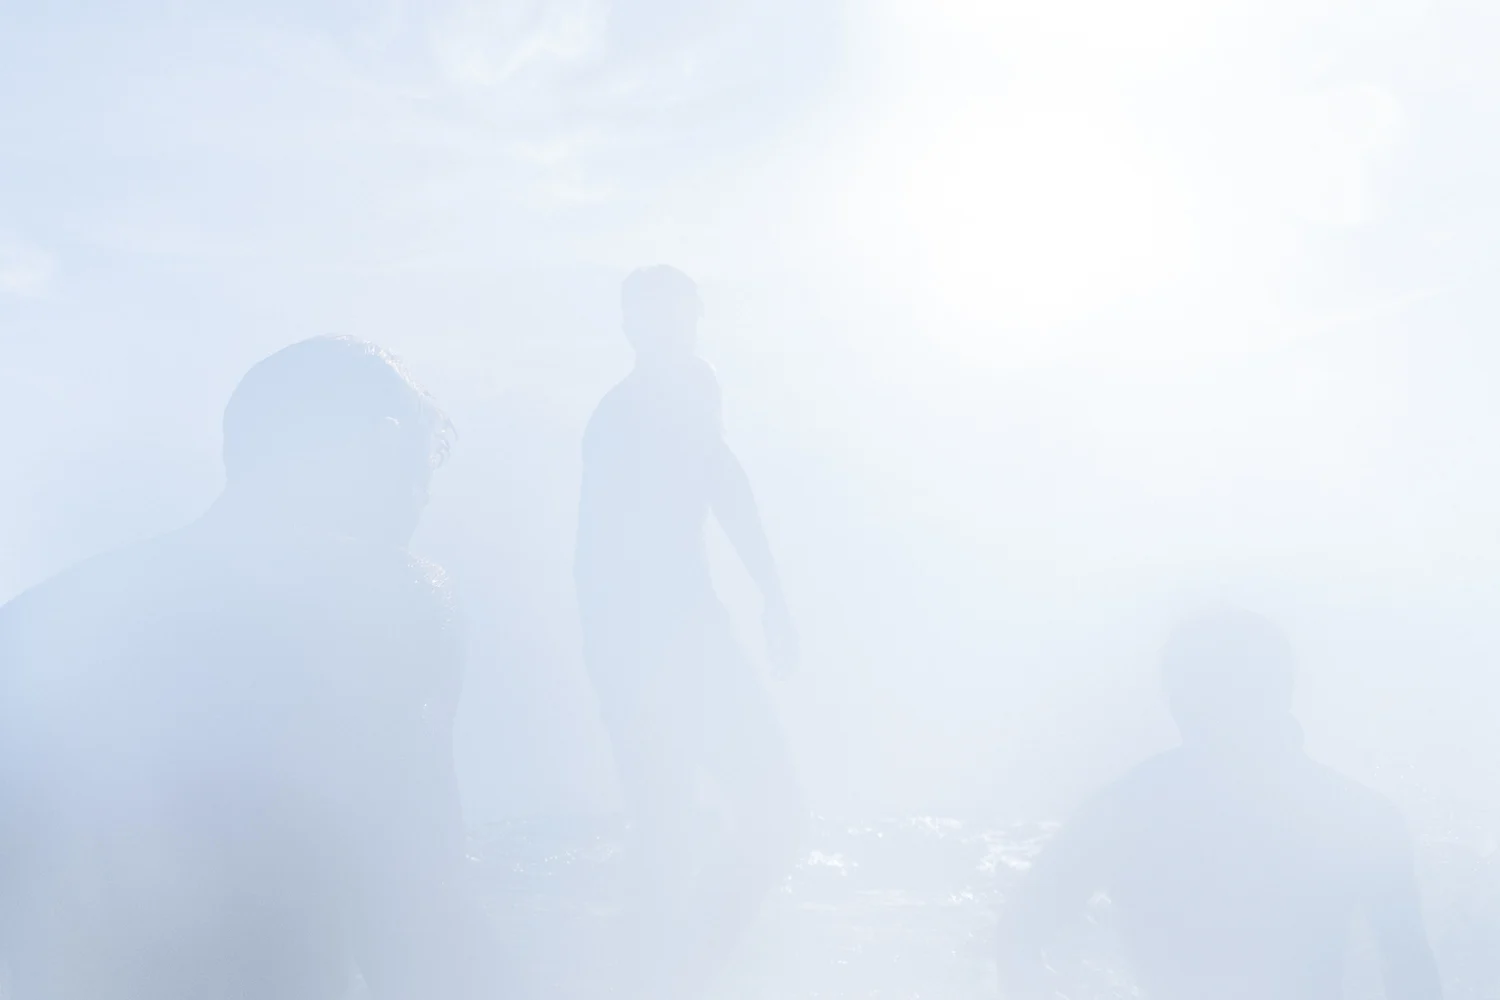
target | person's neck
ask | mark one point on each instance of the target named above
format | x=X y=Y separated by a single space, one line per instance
x=281 y=514
x=1283 y=739
x=659 y=361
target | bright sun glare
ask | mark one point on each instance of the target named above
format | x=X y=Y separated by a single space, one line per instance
x=1036 y=217
x=1011 y=177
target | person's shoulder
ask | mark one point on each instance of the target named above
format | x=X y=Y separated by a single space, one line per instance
x=434 y=584
x=696 y=394
x=1158 y=772
x=1355 y=807
x=380 y=566
x=621 y=394
x=699 y=376
x=409 y=607
x=91 y=604
x=682 y=391
x=1129 y=794
x=414 y=589
x=346 y=578
x=613 y=407
x=700 y=371
x=687 y=376
x=121 y=575
x=1339 y=789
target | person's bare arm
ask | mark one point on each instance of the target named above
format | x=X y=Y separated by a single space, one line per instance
x=735 y=508
x=419 y=927
x=1395 y=915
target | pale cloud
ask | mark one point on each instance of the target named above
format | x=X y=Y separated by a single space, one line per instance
x=1334 y=144
x=487 y=43
x=1045 y=165
x=25 y=270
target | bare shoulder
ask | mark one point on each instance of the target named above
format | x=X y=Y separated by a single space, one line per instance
x=57 y=635
x=701 y=369
x=1362 y=815
x=701 y=379
x=611 y=412
x=699 y=396
x=684 y=393
x=409 y=602
x=405 y=587
x=1126 y=806
x=93 y=591
x=1157 y=775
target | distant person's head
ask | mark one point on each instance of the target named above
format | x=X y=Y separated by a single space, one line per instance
x=1229 y=676
x=334 y=429
x=660 y=309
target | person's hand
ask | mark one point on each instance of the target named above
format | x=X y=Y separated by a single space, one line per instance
x=782 y=645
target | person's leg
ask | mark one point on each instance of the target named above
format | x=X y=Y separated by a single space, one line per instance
x=651 y=723
x=747 y=759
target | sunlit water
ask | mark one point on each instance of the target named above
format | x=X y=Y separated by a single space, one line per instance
x=891 y=909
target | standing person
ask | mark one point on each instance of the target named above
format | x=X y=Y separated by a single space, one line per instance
x=225 y=753
x=678 y=697
x=1236 y=865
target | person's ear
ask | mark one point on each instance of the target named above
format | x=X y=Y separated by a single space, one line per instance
x=384 y=439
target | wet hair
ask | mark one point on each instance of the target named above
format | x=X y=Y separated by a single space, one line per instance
x=1229 y=662
x=651 y=289
x=316 y=396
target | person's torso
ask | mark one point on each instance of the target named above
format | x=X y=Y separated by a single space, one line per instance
x=201 y=721
x=1239 y=887
x=648 y=455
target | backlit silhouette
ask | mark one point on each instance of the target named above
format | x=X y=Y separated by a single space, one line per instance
x=1236 y=866
x=227 y=770
x=678 y=697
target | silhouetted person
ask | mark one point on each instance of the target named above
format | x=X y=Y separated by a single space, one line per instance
x=680 y=700
x=226 y=751
x=1236 y=866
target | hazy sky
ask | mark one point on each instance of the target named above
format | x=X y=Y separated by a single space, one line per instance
x=1038 y=321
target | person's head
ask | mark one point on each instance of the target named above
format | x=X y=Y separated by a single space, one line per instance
x=1229 y=676
x=660 y=309
x=334 y=430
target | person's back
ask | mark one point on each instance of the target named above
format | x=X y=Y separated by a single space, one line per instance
x=1240 y=881
x=227 y=767
x=649 y=455
x=682 y=705
x=1236 y=867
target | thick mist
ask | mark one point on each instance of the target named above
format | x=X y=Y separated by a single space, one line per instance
x=1038 y=326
